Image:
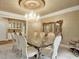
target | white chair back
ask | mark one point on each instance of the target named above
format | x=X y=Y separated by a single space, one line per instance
x=15 y=37
x=9 y=36
x=23 y=45
x=51 y=35
x=56 y=44
x=42 y=34
x=50 y=38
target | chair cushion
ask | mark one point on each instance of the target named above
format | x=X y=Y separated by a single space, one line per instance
x=46 y=51
x=31 y=51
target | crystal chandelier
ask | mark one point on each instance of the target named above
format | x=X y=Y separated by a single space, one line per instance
x=32 y=16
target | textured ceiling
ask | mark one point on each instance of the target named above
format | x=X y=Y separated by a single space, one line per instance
x=50 y=7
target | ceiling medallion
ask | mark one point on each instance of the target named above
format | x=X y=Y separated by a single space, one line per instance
x=32 y=4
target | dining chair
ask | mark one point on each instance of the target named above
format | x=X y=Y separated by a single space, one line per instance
x=52 y=51
x=16 y=47
x=9 y=36
x=49 y=39
x=46 y=52
x=27 y=50
x=42 y=34
x=56 y=45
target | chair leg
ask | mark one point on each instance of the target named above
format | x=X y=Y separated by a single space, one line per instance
x=24 y=57
x=37 y=56
x=54 y=57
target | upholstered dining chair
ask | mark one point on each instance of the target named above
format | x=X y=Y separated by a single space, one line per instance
x=56 y=45
x=42 y=34
x=27 y=50
x=46 y=52
x=51 y=52
x=50 y=38
x=16 y=47
x=9 y=36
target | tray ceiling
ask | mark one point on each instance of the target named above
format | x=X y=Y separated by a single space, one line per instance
x=50 y=6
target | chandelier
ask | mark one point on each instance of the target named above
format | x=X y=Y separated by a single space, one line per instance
x=32 y=16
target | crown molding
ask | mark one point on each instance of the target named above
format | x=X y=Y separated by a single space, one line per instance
x=67 y=10
x=21 y=17
x=11 y=15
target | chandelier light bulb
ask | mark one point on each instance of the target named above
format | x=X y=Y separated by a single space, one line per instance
x=32 y=16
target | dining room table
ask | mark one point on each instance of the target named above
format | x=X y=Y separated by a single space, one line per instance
x=39 y=46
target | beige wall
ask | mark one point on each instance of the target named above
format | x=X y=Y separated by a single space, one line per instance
x=70 y=25
x=34 y=27
x=3 y=28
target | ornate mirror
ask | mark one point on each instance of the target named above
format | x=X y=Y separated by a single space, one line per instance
x=54 y=27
